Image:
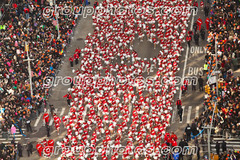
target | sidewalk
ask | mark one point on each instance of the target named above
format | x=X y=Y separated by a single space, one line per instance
x=236 y=73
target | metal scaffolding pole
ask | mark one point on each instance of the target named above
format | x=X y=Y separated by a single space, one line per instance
x=57 y=14
x=29 y=67
x=209 y=128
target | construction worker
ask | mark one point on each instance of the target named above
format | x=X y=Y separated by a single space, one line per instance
x=205 y=68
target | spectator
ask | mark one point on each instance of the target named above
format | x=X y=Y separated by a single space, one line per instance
x=28 y=24
x=227 y=39
x=183 y=145
x=28 y=125
x=29 y=148
x=175 y=155
x=20 y=149
x=13 y=130
x=194 y=128
x=224 y=146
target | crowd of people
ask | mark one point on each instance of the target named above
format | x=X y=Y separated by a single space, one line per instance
x=45 y=147
x=8 y=152
x=229 y=155
x=24 y=24
x=100 y=108
x=105 y=112
x=225 y=31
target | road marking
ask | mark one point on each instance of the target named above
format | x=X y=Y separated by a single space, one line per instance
x=185 y=62
x=53 y=131
x=189 y=114
x=130 y=110
x=55 y=111
x=183 y=75
x=16 y=135
x=6 y=142
x=2 y=139
x=38 y=119
x=183 y=107
x=197 y=111
x=85 y=112
x=51 y=122
x=62 y=111
x=173 y=116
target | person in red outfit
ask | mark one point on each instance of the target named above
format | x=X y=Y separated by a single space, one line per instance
x=167 y=138
x=179 y=103
x=189 y=39
x=51 y=145
x=46 y=118
x=71 y=61
x=69 y=97
x=173 y=143
x=39 y=148
x=76 y=57
x=207 y=21
x=173 y=136
x=199 y=23
x=57 y=122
